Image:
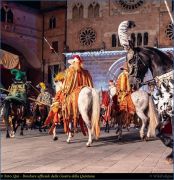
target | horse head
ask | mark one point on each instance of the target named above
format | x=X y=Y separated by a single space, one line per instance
x=137 y=69
x=148 y=58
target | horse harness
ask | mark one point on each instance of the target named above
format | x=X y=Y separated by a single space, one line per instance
x=134 y=66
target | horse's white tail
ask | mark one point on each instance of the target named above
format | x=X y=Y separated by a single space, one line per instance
x=153 y=118
x=95 y=113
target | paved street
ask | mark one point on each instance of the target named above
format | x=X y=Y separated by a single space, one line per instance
x=36 y=152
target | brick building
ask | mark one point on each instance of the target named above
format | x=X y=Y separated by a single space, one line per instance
x=86 y=27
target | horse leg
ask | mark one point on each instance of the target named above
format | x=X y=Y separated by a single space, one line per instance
x=107 y=126
x=12 y=124
x=120 y=126
x=144 y=119
x=6 y=113
x=69 y=133
x=22 y=127
x=88 y=125
x=55 y=138
x=169 y=158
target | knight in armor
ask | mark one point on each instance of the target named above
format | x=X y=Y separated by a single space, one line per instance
x=76 y=77
x=125 y=38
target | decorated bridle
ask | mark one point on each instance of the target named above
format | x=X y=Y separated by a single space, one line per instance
x=133 y=67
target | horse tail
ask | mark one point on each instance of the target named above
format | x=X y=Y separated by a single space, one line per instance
x=95 y=117
x=6 y=112
x=153 y=123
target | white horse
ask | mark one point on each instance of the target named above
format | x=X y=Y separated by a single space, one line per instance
x=89 y=108
x=145 y=110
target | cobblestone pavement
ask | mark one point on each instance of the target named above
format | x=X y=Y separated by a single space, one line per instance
x=36 y=152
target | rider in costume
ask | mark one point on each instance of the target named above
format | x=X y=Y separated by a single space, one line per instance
x=124 y=91
x=44 y=96
x=76 y=77
x=43 y=102
x=54 y=113
x=18 y=89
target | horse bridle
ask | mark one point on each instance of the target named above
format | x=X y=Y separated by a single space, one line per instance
x=134 y=66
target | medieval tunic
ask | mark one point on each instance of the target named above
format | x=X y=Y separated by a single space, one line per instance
x=44 y=97
x=124 y=91
x=75 y=80
x=54 y=113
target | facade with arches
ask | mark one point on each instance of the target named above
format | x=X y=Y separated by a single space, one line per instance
x=92 y=26
x=23 y=30
x=77 y=26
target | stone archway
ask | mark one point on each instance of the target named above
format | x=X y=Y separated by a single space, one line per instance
x=114 y=69
x=33 y=74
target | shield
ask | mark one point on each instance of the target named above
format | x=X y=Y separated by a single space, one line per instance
x=9 y=60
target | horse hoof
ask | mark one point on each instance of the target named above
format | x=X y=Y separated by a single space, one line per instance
x=44 y=130
x=88 y=144
x=40 y=130
x=21 y=134
x=145 y=138
x=12 y=134
x=119 y=138
x=169 y=160
x=68 y=141
x=55 y=138
x=7 y=136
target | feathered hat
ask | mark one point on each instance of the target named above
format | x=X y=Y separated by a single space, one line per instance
x=41 y=85
x=76 y=58
x=19 y=75
x=60 y=76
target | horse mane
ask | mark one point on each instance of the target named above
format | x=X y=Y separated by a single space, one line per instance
x=150 y=50
x=151 y=56
x=160 y=53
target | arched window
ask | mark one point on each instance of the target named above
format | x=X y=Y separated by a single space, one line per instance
x=93 y=10
x=81 y=12
x=75 y=12
x=52 y=22
x=90 y=11
x=114 y=40
x=3 y=15
x=145 y=38
x=96 y=10
x=9 y=16
x=139 y=39
x=133 y=38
